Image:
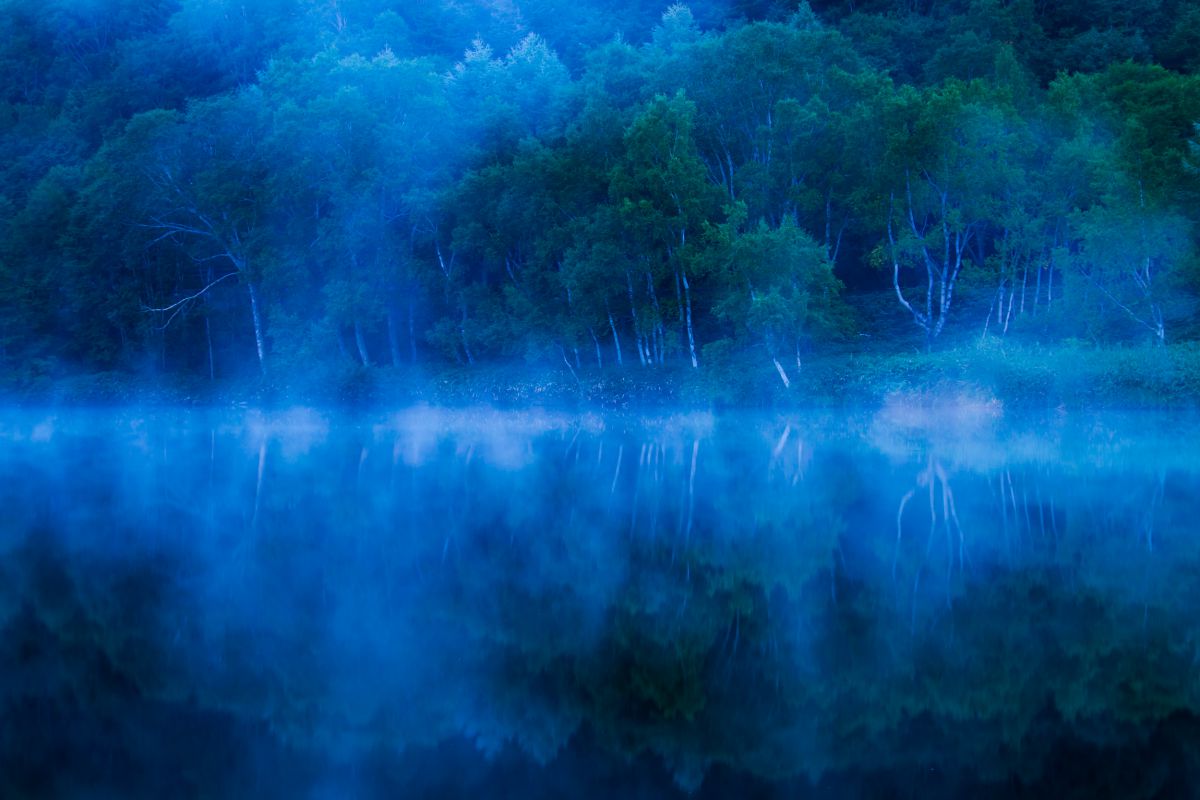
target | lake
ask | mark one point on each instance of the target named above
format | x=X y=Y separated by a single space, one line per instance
x=924 y=600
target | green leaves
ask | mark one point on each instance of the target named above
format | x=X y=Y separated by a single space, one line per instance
x=376 y=168
x=777 y=288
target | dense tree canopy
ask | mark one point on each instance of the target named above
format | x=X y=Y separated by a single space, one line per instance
x=208 y=188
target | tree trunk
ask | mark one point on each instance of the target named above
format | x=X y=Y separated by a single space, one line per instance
x=596 y=341
x=687 y=297
x=659 y=344
x=787 y=384
x=1012 y=295
x=637 y=333
x=941 y=274
x=833 y=245
x=361 y=344
x=988 y=320
x=567 y=361
x=1000 y=304
x=1024 y=284
x=259 y=336
x=212 y=371
x=616 y=339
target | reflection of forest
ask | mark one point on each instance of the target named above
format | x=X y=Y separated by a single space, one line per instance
x=782 y=598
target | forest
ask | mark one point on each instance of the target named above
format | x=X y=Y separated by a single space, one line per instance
x=766 y=193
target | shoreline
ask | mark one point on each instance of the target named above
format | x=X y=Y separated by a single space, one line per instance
x=1063 y=378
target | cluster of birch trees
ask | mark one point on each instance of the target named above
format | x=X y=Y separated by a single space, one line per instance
x=703 y=195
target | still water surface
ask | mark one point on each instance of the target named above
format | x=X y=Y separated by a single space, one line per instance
x=912 y=602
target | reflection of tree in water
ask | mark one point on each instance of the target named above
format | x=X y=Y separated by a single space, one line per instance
x=931 y=477
x=721 y=596
x=944 y=515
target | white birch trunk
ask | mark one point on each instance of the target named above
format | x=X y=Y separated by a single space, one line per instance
x=616 y=339
x=596 y=341
x=361 y=344
x=783 y=376
x=260 y=340
x=687 y=295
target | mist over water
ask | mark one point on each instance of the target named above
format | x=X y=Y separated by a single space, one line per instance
x=912 y=602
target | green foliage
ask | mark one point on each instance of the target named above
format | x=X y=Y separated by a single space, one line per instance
x=778 y=289
x=365 y=182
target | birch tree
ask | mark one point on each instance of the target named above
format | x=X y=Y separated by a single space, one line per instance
x=778 y=291
x=947 y=154
x=663 y=196
x=203 y=181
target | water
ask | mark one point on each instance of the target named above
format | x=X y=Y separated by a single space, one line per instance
x=915 y=602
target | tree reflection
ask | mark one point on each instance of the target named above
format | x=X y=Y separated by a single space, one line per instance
x=748 y=592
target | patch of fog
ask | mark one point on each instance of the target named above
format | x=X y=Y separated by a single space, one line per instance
x=20 y=426
x=973 y=432
x=934 y=416
x=504 y=439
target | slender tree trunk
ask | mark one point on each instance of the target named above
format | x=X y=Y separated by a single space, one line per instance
x=687 y=296
x=941 y=275
x=260 y=340
x=1024 y=283
x=637 y=333
x=361 y=344
x=828 y=224
x=1000 y=304
x=923 y=322
x=616 y=339
x=1037 y=290
x=567 y=361
x=729 y=161
x=988 y=321
x=659 y=345
x=212 y=370
x=783 y=376
x=679 y=302
x=929 y=304
x=833 y=244
x=596 y=341
x=1012 y=294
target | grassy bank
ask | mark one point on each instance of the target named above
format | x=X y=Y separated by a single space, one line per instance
x=1064 y=376
x=1070 y=377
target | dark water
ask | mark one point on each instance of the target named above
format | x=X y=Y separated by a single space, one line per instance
x=912 y=603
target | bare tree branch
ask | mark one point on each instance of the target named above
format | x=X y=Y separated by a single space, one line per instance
x=189 y=298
